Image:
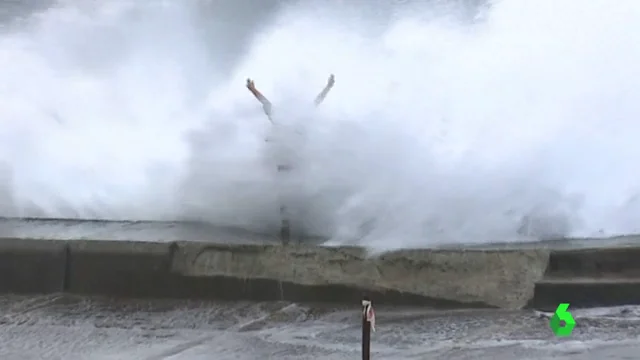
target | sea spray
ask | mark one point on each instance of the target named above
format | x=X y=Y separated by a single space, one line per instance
x=447 y=124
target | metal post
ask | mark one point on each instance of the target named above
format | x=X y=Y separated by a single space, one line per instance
x=366 y=329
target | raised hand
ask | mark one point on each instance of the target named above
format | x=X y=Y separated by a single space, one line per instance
x=251 y=85
x=331 y=81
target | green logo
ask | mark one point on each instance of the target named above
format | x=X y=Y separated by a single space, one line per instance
x=562 y=314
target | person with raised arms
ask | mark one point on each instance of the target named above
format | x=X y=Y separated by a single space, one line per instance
x=284 y=166
x=268 y=107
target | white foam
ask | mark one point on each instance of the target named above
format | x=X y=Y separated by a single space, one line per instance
x=437 y=131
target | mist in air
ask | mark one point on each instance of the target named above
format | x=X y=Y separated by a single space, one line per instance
x=450 y=122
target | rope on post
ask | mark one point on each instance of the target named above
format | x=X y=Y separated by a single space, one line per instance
x=368 y=325
x=369 y=313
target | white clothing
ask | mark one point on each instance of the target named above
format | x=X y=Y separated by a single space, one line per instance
x=285 y=139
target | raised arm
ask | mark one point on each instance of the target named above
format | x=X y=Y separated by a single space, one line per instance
x=325 y=91
x=266 y=104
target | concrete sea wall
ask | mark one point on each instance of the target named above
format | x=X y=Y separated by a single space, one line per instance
x=590 y=278
x=505 y=278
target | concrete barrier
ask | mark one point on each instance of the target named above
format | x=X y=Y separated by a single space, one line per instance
x=501 y=278
x=119 y=268
x=585 y=293
x=32 y=266
x=619 y=263
x=303 y=273
x=590 y=278
x=507 y=278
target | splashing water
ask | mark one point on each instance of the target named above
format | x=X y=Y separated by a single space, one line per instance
x=519 y=119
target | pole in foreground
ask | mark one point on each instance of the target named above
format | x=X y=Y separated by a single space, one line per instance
x=368 y=325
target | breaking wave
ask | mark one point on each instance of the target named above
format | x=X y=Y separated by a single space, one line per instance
x=449 y=121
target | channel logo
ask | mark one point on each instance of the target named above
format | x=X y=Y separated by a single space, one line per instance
x=562 y=322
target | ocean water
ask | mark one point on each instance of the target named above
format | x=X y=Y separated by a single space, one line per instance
x=64 y=327
x=450 y=121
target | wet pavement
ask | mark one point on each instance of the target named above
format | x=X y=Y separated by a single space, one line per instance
x=167 y=231
x=156 y=231
x=76 y=328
